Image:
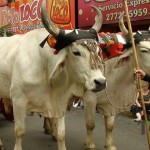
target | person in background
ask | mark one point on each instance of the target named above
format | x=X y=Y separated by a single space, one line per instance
x=136 y=108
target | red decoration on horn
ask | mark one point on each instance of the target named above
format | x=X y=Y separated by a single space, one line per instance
x=56 y=52
x=51 y=41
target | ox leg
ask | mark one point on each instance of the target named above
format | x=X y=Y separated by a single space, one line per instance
x=19 y=116
x=90 y=113
x=61 y=133
x=90 y=125
x=47 y=125
x=1 y=145
x=7 y=105
x=50 y=127
x=109 y=124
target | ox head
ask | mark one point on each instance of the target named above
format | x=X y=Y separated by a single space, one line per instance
x=142 y=42
x=79 y=49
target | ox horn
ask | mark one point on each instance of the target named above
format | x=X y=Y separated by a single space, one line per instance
x=48 y=24
x=98 y=19
x=122 y=25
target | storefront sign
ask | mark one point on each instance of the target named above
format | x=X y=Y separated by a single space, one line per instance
x=111 y=10
x=24 y=15
x=3 y=3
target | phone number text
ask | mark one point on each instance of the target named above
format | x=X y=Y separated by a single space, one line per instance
x=132 y=13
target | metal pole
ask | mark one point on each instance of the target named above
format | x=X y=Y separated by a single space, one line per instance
x=137 y=67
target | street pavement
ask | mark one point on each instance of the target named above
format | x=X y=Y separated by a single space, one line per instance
x=128 y=134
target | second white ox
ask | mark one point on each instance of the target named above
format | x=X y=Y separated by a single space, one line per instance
x=120 y=91
x=35 y=79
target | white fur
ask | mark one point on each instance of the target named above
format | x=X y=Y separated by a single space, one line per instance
x=37 y=80
x=120 y=89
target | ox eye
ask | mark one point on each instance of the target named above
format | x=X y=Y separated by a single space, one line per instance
x=77 y=53
x=144 y=50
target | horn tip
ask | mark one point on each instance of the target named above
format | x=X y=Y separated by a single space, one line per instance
x=121 y=15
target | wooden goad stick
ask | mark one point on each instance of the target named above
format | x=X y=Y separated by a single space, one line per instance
x=137 y=67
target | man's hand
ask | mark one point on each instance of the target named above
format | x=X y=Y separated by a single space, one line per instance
x=140 y=73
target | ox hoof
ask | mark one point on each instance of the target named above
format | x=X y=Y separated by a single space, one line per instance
x=90 y=147
x=110 y=148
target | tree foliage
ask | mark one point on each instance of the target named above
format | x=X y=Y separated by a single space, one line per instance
x=4 y=31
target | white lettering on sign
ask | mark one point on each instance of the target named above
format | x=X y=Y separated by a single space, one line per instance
x=30 y=11
x=26 y=12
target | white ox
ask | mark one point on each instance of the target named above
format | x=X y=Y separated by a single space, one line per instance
x=34 y=79
x=119 y=93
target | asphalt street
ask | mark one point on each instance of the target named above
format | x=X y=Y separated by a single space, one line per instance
x=128 y=134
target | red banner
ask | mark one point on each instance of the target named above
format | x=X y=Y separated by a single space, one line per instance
x=24 y=15
x=111 y=9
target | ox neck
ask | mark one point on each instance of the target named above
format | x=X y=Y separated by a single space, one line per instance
x=121 y=89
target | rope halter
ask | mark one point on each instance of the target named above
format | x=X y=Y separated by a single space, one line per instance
x=93 y=47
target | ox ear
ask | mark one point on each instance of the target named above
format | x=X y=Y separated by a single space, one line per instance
x=123 y=59
x=58 y=69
